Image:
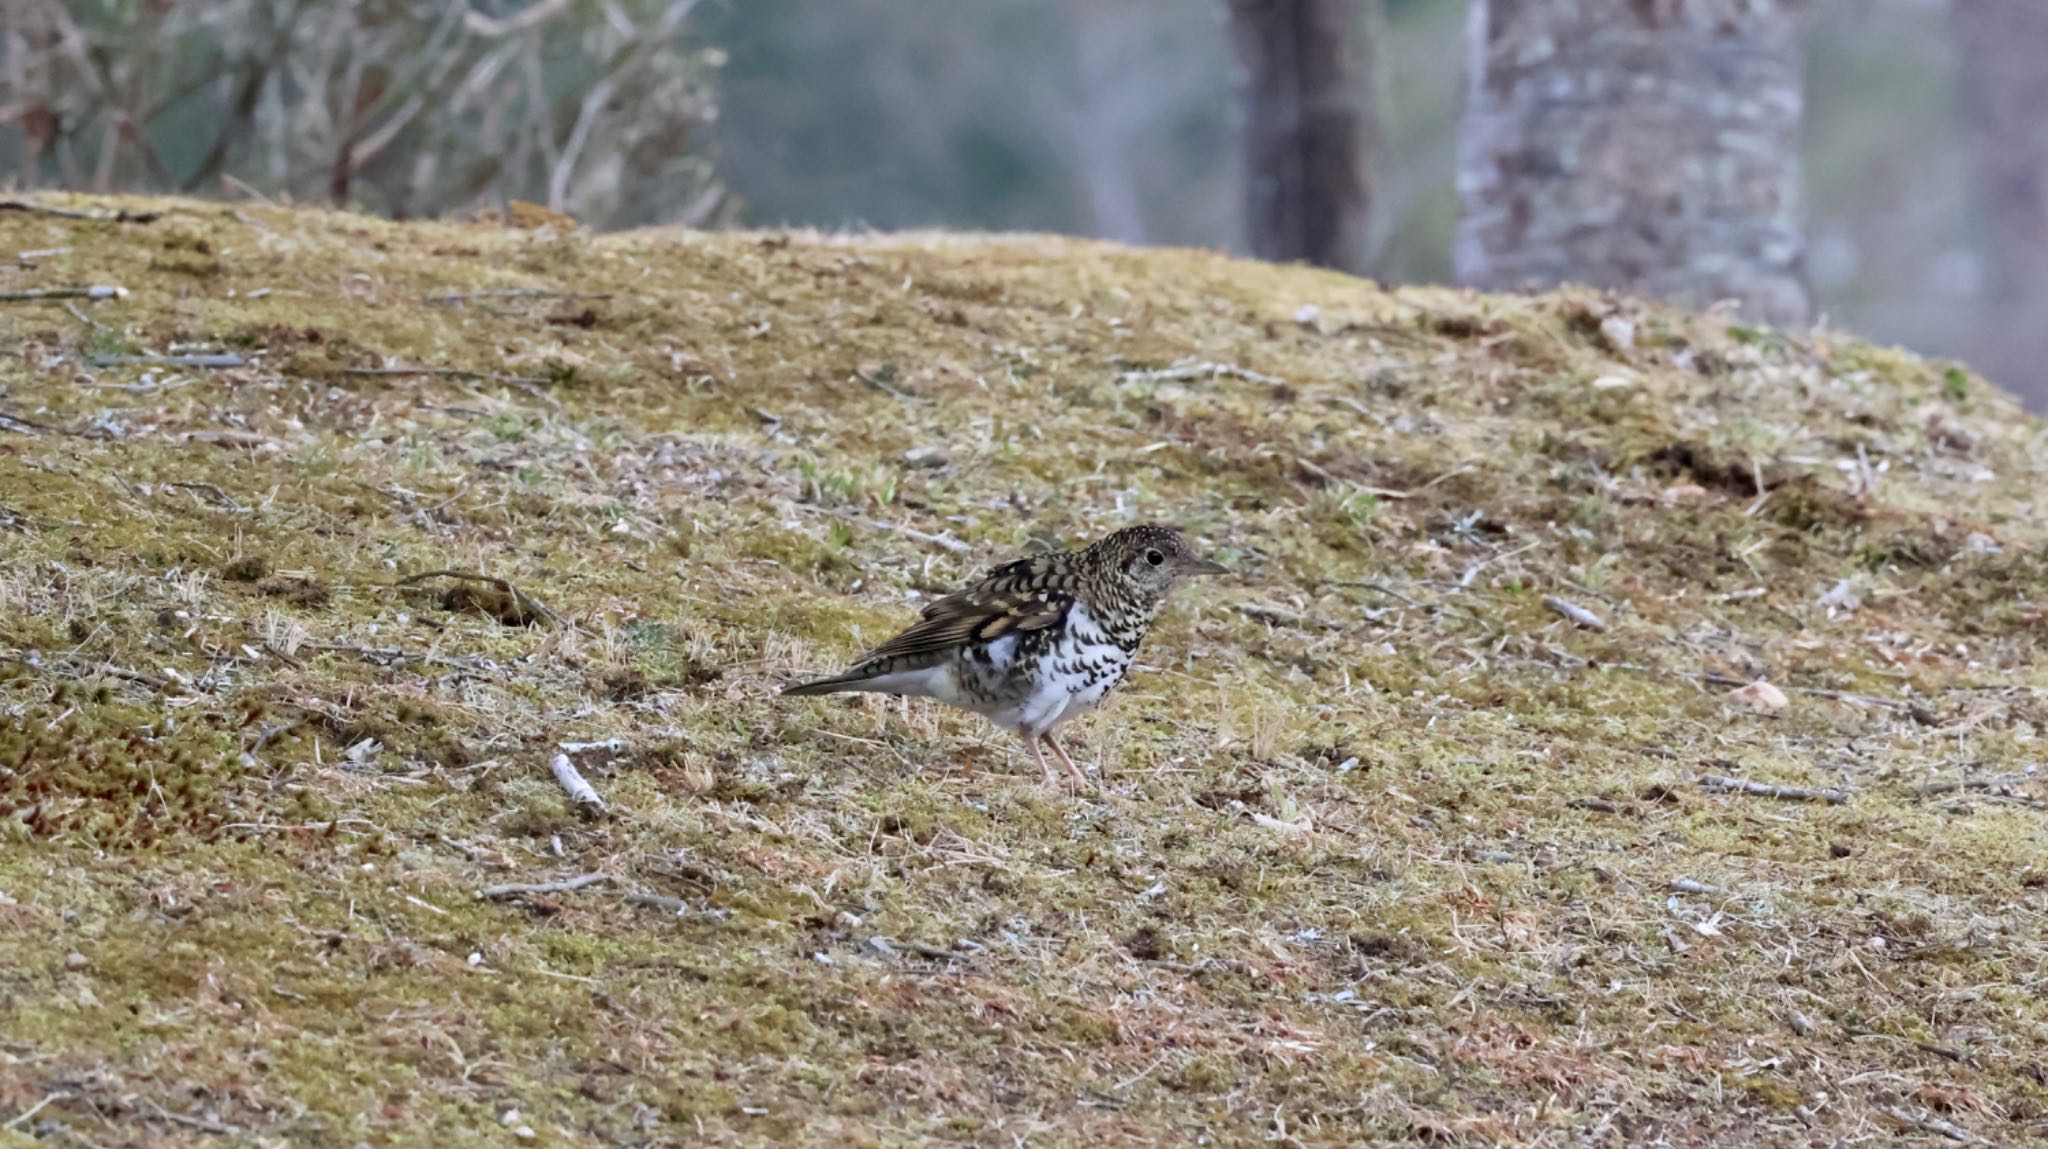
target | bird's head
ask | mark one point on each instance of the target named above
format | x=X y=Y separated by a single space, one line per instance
x=1149 y=559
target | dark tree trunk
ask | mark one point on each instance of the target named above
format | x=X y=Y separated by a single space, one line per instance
x=1650 y=146
x=2003 y=108
x=1309 y=126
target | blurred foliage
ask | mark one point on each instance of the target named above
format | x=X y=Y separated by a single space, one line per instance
x=1111 y=119
x=888 y=114
x=598 y=108
x=1115 y=118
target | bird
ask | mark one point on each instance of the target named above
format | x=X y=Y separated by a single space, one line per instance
x=1036 y=642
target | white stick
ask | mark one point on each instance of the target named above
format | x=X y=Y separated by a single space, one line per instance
x=1768 y=790
x=1575 y=612
x=582 y=793
x=612 y=744
x=1195 y=370
x=101 y=292
x=517 y=889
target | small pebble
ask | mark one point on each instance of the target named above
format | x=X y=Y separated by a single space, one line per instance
x=1838 y=850
x=75 y=960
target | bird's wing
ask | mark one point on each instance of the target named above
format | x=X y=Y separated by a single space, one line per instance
x=1029 y=594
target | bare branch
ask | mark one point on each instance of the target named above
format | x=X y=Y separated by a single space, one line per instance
x=581 y=792
x=1575 y=612
x=521 y=889
x=1769 y=790
x=215 y=362
x=62 y=293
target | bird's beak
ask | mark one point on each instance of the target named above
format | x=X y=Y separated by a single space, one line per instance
x=1202 y=567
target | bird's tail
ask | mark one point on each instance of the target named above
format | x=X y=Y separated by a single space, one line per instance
x=839 y=683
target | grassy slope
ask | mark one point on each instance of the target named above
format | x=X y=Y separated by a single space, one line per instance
x=1388 y=860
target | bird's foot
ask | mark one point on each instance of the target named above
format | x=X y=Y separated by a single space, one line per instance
x=1038 y=756
x=1074 y=772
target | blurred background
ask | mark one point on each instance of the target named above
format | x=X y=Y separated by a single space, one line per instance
x=1881 y=165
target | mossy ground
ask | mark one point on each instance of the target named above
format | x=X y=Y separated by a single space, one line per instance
x=1385 y=847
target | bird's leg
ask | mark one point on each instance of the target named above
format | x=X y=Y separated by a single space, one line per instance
x=1038 y=756
x=1073 y=771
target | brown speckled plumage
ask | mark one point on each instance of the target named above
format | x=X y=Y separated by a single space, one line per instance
x=1037 y=641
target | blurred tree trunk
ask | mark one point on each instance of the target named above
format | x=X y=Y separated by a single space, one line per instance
x=1309 y=126
x=2003 y=106
x=1644 y=145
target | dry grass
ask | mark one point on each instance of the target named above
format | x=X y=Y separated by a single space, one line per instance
x=1389 y=847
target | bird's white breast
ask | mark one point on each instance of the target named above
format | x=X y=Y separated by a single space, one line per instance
x=1086 y=663
x=1061 y=682
x=1071 y=678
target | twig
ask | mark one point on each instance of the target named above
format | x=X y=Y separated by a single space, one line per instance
x=522 y=889
x=377 y=654
x=885 y=387
x=512 y=293
x=217 y=1128
x=1946 y=1053
x=1998 y=789
x=72 y=668
x=100 y=292
x=215 y=362
x=148 y=384
x=392 y=656
x=1575 y=612
x=677 y=906
x=1197 y=370
x=615 y=745
x=82 y=317
x=658 y=902
x=211 y=490
x=1999 y=784
x=945 y=541
x=1472 y=572
x=454 y=372
x=1933 y=1124
x=268 y=735
x=1273 y=614
x=1688 y=886
x=525 y=601
x=1770 y=790
x=582 y=793
x=22 y=1118
x=123 y=216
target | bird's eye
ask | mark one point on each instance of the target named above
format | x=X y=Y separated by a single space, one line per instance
x=1154 y=557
